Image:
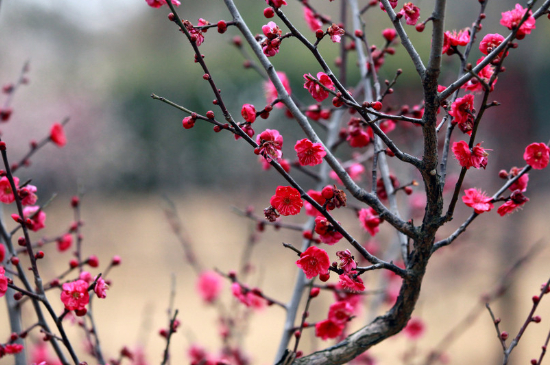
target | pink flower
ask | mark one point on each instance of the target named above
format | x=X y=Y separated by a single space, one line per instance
x=461 y=110
x=6 y=192
x=369 y=220
x=100 y=288
x=477 y=157
x=316 y=91
x=393 y=4
x=75 y=295
x=315 y=195
x=521 y=183
x=455 y=39
x=38 y=220
x=339 y=313
x=517 y=199
x=196 y=34
x=311 y=20
x=13 y=348
x=327 y=233
x=389 y=34
x=490 y=42
x=314 y=261
x=512 y=18
x=344 y=295
x=159 y=3
x=209 y=286
x=276 y=3
x=247 y=297
x=287 y=200
x=358 y=138
x=57 y=135
x=335 y=33
x=352 y=282
x=249 y=113
x=354 y=171
x=414 y=329
x=537 y=155
x=4 y=282
x=309 y=153
x=65 y=242
x=86 y=276
x=347 y=262
x=270 y=143
x=327 y=329
x=271 y=30
x=270 y=91
x=485 y=74
x=27 y=194
x=411 y=13
x=478 y=200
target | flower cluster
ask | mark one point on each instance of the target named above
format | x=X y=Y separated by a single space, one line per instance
x=512 y=18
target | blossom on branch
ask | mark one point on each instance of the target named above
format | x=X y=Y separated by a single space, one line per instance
x=27 y=194
x=326 y=231
x=270 y=144
x=37 y=217
x=159 y=3
x=314 y=261
x=6 y=192
x=411 y=13
x=389 y=34
x=312 y=22
x=477 y=199
x=57 y=135
x=327 y=329
x=393 y=4
x=517 y=199
x=335 y=32
x=100 y=288
x=309 y=153
x=64 y=242
x=521 y=183
x=209 y=286
x=271 y=93
x=512 y=18
x=276 y=3
x=318 y=197
x=455 y=39
x=485 y=74
x=340 y=312
x=369 y=220
x=3 y=282
x=489 y=43
x=462 y=110
x=248 y=112
x=537 y=155
x=476 y=157
x=75 y=295
x=317 y=92
x=352 y=282
x=287 y=200
x=347 y=262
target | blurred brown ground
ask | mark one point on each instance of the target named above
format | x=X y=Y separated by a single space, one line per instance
x=135 y=309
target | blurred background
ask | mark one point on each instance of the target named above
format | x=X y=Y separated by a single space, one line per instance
x=98 y=62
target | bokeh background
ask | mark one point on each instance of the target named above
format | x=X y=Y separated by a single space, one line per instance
x=98 y=62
